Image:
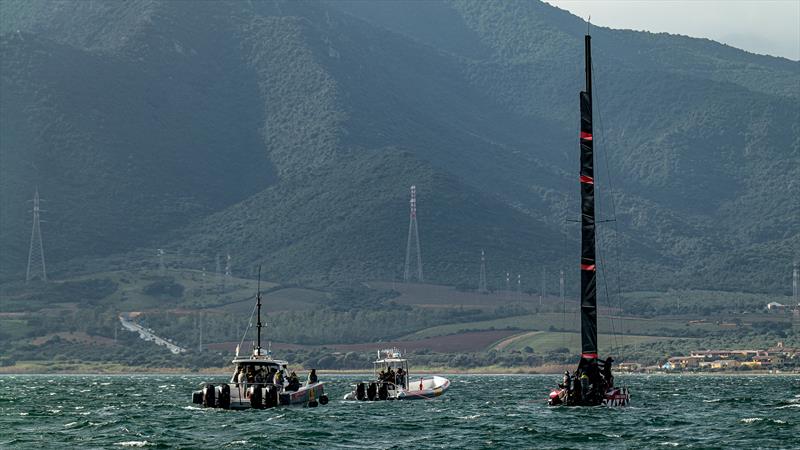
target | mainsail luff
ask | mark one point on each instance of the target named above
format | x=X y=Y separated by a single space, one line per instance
x=588 y=264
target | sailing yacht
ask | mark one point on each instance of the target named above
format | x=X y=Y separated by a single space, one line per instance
x=592 y=383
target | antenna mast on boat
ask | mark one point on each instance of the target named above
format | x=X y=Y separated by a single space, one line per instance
x=258 y=306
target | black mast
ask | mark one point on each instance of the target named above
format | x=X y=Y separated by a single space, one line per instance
x=588 y=267
x=258 y=325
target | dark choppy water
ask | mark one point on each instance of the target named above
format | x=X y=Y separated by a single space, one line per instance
x=155 y=411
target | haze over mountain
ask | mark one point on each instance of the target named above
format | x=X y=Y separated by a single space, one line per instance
x=287 y=133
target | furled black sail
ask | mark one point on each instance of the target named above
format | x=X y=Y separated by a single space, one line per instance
x=588 y=265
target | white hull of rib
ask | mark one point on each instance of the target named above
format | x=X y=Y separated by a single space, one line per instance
x=420 y=389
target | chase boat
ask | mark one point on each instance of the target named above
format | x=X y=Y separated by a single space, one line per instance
x=392 y=381
x=255 y=388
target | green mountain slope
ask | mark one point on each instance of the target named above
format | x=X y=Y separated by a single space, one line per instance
x=288 y=133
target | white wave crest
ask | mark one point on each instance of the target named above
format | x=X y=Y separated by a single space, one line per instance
x=751 y=420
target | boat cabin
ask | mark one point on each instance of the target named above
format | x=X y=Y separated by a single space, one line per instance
x=258 y=368
x=391 y=367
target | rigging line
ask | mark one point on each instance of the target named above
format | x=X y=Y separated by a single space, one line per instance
x=562 y=286
x=617 y=245
x=249 y=325
x=602 y=258
x=601 y=123
x=613 y=212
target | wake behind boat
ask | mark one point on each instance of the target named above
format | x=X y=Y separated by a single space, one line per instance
x=392 y=381
x=259 y=381
x=593 y=382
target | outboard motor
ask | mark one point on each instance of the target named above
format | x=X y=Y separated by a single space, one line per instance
x=383 y=391
x=197 y=397
x=255 y=397
x=224 y=400
x=271 y=399
x=209 y=396
x=361 y=391
x=372 y=391
x=323 y=399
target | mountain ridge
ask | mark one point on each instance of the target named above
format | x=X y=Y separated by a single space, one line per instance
x=482 y=94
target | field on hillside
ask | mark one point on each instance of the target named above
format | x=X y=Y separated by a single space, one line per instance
x=431 y=295
x=145 y=289
x=472 y=341
x=544 y=322
x=546 y=341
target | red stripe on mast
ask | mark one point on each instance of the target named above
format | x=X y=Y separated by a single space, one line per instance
x=587 y=180
x=588 y=267
x=586 y=136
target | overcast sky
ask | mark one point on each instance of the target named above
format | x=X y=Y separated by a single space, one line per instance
x=770 y=27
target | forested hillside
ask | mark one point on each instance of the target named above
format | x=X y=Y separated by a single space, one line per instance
x=287 y=133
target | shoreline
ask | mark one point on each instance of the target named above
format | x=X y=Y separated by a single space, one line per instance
x=34 y=368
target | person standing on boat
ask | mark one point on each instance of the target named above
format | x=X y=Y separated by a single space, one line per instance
x=400 y=378
x=584 y=386
x=566 y=382
x=259 y=377
x=294 y=382
x=577 y=389
x=607 y=375
x=312 y=377
x=241 y=377
x=277 y=379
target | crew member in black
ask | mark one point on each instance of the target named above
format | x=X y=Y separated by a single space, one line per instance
x=294 y=382
x=607 y=375
x=312 y=377
x=400 y=378
x=577 y=388
x=566 y=382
